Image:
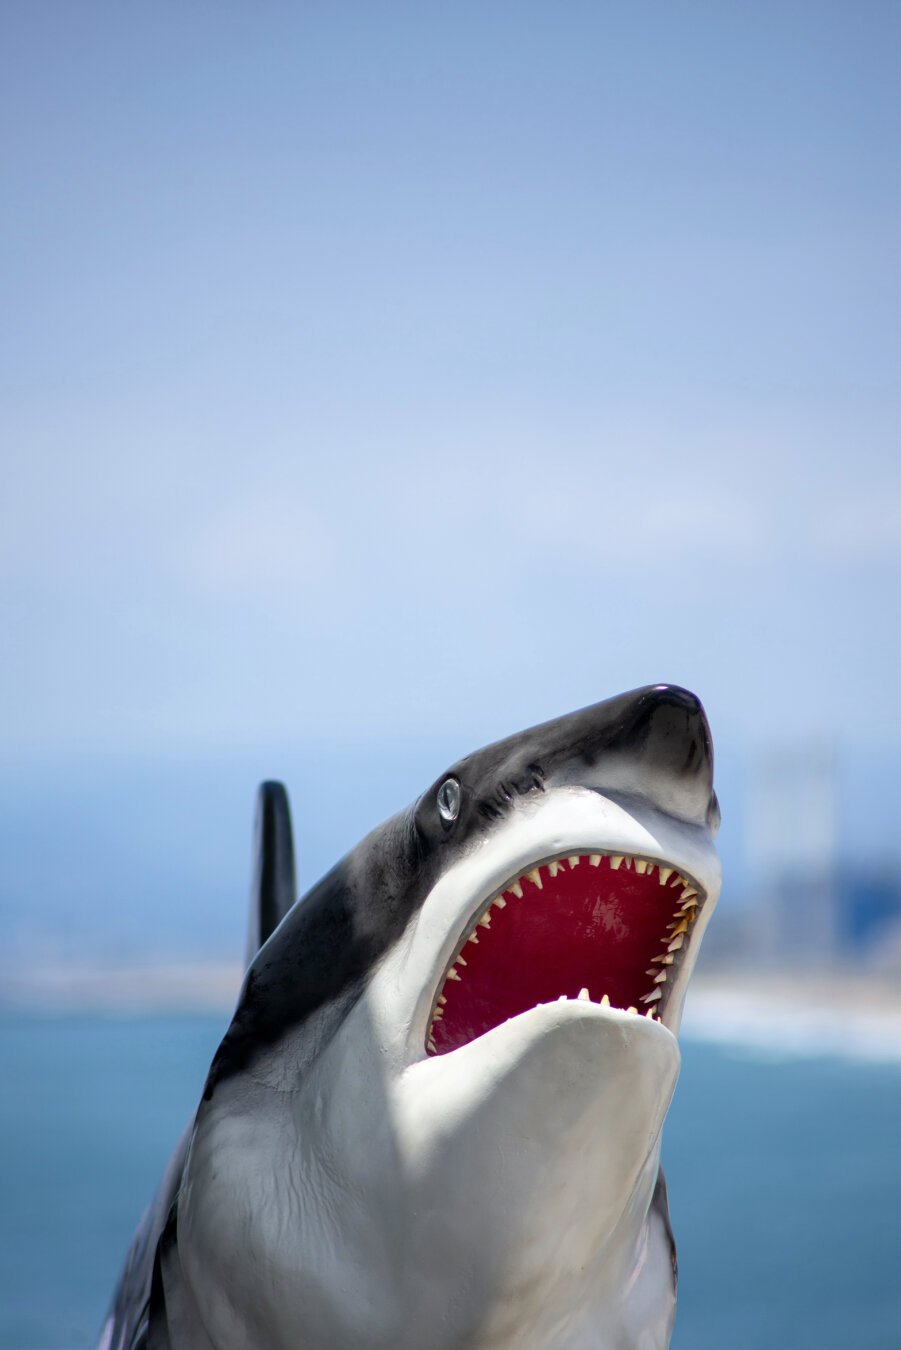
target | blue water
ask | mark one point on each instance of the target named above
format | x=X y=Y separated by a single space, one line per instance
x=785 y=1184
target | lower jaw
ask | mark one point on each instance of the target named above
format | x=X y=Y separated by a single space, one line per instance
x=531 y=1024
x=554 y=1069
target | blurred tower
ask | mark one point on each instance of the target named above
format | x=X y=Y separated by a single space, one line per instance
x=792 y=854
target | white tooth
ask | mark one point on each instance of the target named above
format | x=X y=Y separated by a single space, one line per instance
x=666 y=960
x=676 y=943
x=594 y=859
x=553 y=868
x=631 y=1009
x=650 y=869
x=562 y=998
x=652 y=971
x=433 y=1047
x=688 y=905
x=461 y=960
x=516 y=889
x=438 y=1014
x=681 y=927
x=453 y=974
x=584 y=995
x=616 y=861
x=641 y=866
x=605 y=1001
x=442 y=999
x=664 y=875
x=472 y=938
x=500 y=902
x=677 y=881
x=535 y=876
x=653 y=996
x=574 y=860
x=485 y=922
x=688 y=893
x=650 y=1013
x=661 y=978
x=628 y=860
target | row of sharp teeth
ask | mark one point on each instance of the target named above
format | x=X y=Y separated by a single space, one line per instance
x=583 y=996
x=676 y=929
x=685 y=915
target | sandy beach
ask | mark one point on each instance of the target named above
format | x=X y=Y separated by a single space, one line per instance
x=852 y=1014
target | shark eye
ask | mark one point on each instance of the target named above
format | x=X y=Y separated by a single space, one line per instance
x=449 y=799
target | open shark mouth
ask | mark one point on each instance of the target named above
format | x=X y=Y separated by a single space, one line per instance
x=609 y=928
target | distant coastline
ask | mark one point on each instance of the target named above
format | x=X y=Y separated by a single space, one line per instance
x=176 y=987
x=849 y=1014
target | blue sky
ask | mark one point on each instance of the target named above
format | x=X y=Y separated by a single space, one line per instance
x=390 y=371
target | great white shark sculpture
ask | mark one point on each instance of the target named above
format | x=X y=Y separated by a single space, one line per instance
x=434 y=1122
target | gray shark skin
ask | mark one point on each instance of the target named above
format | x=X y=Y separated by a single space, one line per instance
x=345 y=1181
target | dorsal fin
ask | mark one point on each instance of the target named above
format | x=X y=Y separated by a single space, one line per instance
x=273 y=889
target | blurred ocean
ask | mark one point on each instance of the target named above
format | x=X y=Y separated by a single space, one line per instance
x=784 y=1175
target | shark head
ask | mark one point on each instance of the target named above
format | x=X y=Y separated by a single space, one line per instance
x=436 y=1116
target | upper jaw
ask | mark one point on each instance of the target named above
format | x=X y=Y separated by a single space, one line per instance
x=563 y=822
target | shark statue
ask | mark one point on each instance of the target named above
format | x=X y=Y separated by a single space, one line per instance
x=434 y=1122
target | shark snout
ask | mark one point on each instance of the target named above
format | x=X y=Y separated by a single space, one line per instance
x=660 y=737
x=653 y=743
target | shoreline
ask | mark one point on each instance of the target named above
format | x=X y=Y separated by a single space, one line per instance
x=162 y=987
x=846 y=1013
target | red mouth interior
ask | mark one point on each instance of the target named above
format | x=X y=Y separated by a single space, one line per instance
x=590 y=925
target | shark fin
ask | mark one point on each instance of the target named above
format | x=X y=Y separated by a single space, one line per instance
x=273 y=890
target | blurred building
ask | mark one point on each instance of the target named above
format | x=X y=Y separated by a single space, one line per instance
x=812 y=903
x=869 y=915
x=791 y=829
